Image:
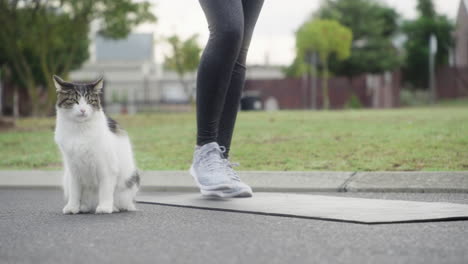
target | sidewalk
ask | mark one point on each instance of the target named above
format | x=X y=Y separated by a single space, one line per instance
x=276 y=181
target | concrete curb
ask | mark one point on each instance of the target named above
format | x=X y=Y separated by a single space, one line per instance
x=456 y=181
x=276 y=181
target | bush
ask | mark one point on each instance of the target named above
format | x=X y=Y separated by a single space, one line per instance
x=414 y=98
x=353 y=103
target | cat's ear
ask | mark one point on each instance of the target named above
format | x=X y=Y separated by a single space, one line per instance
x=97 y=85
x=60 y=85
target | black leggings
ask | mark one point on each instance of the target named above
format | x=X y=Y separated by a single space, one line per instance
x=221 y=73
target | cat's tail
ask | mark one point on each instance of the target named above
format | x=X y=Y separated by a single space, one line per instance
x=134 y=179
x=125 y=197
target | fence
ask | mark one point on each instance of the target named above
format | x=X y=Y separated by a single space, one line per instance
x=130 y=96
x=451 y=82
x=377 y=91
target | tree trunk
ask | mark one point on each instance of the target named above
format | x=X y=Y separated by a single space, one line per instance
x=49 y=86
x=326 y=98
x=188 y=92
x=33 y=95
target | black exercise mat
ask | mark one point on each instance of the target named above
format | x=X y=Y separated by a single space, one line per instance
x=333 y=208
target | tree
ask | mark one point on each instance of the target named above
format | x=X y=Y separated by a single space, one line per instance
x=184 y=58
x=298 y=68
x=426 y=8
x=33 y=46
x=373 y=25
x=42 y=38
x=326 y=37
x=418 y=32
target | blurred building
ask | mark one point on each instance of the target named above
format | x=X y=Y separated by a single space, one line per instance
x=128 y=68
x=133 y=80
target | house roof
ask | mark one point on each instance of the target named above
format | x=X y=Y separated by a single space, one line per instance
x=136 y=47
x=462 y=12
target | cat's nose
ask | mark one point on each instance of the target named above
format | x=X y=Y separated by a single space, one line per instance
x=82 y=111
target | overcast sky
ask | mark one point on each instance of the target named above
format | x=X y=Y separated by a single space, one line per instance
x=273 y=39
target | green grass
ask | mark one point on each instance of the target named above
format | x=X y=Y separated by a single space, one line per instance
x=426 y=139
x=454 y=102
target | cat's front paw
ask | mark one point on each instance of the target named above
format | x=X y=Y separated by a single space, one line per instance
x=104 y=209
x=71 y=209
x=131 y=207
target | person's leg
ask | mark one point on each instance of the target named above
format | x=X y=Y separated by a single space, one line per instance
x=226 y=24
x=227 y=121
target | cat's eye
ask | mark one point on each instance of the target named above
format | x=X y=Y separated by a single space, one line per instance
x=68 y=102
x=72 y=100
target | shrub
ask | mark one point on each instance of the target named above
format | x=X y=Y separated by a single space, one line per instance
x=353 y=103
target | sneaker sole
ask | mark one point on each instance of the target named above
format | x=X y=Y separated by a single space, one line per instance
x=221 y=194
x=211 y=187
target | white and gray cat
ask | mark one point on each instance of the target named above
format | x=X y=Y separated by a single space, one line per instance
x=99 y=169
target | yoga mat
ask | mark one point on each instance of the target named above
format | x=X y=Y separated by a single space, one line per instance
x=332 y=208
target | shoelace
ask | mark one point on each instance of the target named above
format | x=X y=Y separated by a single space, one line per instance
x=229 y=166
x=230 y=170
x=221 y=163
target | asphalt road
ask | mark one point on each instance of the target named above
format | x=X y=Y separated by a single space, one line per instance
x=33 y=230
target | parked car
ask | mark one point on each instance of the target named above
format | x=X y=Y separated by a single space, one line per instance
x=249 y=103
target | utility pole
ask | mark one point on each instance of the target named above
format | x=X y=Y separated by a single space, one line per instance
x=432 y=79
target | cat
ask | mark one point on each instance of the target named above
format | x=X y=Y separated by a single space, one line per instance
x=100 y=174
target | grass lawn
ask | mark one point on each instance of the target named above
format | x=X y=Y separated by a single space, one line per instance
x=426 y=139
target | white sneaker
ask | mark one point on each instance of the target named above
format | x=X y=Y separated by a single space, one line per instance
x=239 y=189
x=209 y=169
